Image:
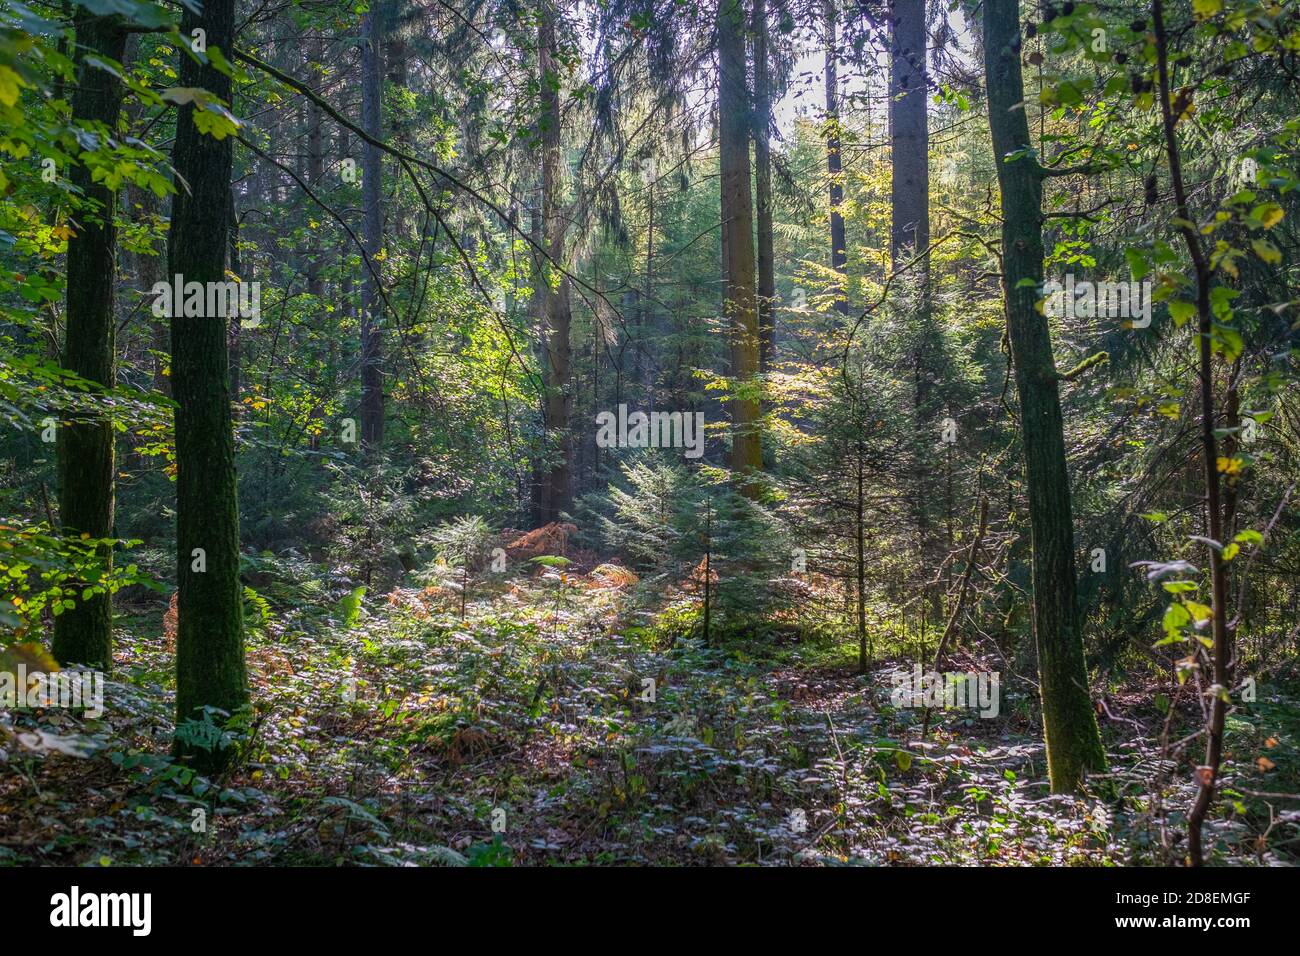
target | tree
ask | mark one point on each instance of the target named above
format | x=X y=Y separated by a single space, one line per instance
x=691 y=530
x=314 y=171
x=908 y=133
x=209 y=639
x=1069 y=723
x=839 y=479
x=84 y=634
x=372 y=304
x=763 y=187
x=834 y=164
x=1215 y=506
x=738 y=245
x=556 y=492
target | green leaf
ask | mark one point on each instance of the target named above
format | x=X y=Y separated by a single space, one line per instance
x=213 y=124
x=348 y=609
x=1181 y=311
x=1266 y=251
x=9 y=86
x=1137 y=263
x=1269 y=214
x=1228 y=340
x=1175 y=619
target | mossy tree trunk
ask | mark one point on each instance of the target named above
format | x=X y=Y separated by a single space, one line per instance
x=84 y=634
x=738 y=241
x=834 y=159
x=372 y=300
x=1069 y=722
x=556 y=312
x=763 y=189
x=209 y=640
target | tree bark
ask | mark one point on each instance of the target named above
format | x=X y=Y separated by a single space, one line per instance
x=315 y=172
x=235 y=343
x=557 y=479
x=763 y=189
x=372 y=307
x=860 y=546
x=147 y=273
x=834 y=168
x=84 y=634
x=908 y=133
x=209 y=640
x=1215 y=510
x=1069 y=723
x=647 y=311
x=738 y=245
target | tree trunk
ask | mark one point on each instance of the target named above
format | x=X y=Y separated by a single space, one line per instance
x=372 y=308
x=1069 y=723
x=908 y=134
x=148 y=272
x=648 y=327
x=209 y=639
x=315 y=173
x=763 y=189
x=1215 y=507
x=839 y=255
x=910 y=233
x=396 y=76
x=84 y=634
x=235 y=343
x=557 y=480
x=738 y=245
x=860 y=544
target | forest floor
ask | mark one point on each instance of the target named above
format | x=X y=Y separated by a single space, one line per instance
x=404 y=735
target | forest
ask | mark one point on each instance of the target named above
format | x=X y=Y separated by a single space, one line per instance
x=709 y=433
